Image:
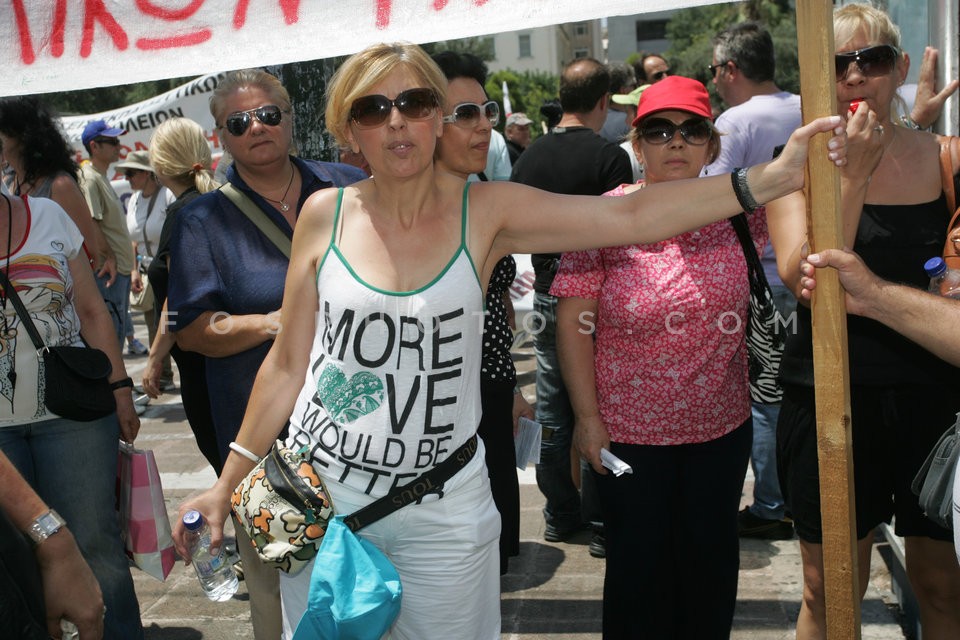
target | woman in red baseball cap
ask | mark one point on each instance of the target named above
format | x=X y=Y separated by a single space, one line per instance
x=652 y=347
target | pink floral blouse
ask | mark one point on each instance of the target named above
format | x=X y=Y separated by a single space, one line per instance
x=670 y=353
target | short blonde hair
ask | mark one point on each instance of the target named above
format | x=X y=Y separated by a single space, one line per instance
x=235 y=80
x=367 y=68
x=874 y=22
x=876 y=25
x=180 y=152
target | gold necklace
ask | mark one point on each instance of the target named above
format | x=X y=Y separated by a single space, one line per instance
x=283 y=205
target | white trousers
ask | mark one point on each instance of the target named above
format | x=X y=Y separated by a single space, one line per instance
x=447 y=554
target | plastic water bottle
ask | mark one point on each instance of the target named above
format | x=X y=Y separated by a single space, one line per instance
x=215 y=573
x=943 y=280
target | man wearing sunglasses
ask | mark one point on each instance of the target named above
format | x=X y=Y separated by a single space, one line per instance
x=651 y=68
x=571 y=159
x=102 y=143
x=760 y=117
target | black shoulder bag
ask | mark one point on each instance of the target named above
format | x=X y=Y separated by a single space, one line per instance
x=73 y=379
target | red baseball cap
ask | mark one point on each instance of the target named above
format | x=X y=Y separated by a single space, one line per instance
x=675 y=93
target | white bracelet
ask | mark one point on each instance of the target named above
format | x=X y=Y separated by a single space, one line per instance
x=246 y=453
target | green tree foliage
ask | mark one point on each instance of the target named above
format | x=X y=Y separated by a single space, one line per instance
x=691 y=33
x=528 y=90
x=482 y=47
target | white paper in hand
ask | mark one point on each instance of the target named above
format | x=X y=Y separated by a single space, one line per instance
x=615 y=464
x=527 y=442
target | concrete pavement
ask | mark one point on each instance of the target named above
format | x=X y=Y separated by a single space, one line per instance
x=552 y=590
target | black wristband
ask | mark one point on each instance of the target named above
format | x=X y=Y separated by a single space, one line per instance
x=121 y=383
x=742 y=190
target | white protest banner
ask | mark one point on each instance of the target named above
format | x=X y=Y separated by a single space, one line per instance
x=190 y=100
x=60 y=45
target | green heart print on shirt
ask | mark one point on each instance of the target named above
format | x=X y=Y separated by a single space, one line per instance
x=349 y=400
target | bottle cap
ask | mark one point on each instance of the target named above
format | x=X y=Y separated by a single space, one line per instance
x=192 y=520
x=934 y=267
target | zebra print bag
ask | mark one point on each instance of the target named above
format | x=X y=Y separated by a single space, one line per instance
x=765 y=340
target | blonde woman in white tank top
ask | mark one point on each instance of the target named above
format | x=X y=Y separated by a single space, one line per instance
x=377 y=327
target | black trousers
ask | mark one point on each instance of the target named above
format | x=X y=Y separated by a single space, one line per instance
x=496 y=431
x=673 y=552
x=196 y=403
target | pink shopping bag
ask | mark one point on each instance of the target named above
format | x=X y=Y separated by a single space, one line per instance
x=144 y=524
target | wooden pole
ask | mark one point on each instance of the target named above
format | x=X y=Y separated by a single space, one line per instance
x=830 y=362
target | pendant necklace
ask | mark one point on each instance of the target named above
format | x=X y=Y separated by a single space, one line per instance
x=283 y=205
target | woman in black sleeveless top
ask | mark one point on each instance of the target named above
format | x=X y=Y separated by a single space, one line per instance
x=902 y=397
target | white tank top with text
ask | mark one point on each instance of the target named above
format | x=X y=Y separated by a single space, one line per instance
x=393 y=384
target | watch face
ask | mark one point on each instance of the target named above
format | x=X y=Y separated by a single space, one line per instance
x=49 y=522
x=45 y=526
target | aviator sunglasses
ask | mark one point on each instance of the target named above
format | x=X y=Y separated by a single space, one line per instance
x=466 y=115
x=238 y=122
x=874 y=61
x=373 y=110
x=695 y=131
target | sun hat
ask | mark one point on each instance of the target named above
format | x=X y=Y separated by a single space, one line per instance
x=99 y=128
x=519 y=118
x=139 y=159
x=632 y=98
x=675 y=93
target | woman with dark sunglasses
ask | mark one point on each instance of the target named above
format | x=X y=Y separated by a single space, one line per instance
x=469 y=118
x=651 y=339
x=902 y=397
x=376 y=368
x=226 y=274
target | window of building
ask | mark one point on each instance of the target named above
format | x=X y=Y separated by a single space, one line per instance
x=651 y=30
x=524 y=43
x=580 y=29
x=581 y=53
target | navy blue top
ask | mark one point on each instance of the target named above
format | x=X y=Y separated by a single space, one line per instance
x=220 y=261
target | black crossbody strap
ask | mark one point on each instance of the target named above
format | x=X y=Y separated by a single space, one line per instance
x=413 y=491
x=153 y=200
x=25 y=318
x=757 y=277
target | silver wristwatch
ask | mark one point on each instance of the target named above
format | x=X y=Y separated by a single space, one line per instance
x=45 y=526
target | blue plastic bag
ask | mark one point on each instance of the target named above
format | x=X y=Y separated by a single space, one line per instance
x=354 y=589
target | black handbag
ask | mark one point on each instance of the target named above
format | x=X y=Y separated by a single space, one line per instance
x=74 y=380
x=765 y=340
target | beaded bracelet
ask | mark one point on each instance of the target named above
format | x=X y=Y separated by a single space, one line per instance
x=246 y=453
x=742 y=190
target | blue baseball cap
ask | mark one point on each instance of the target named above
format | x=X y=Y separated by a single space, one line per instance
x=99 y=128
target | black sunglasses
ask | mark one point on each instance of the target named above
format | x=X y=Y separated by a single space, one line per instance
x=713 y=67
x=660 y=75
x=238 y=122
x=111 y=141
x=874 y=61
x=129 y=173
x=466 y=115
x=695 y=131
x=373 y=110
